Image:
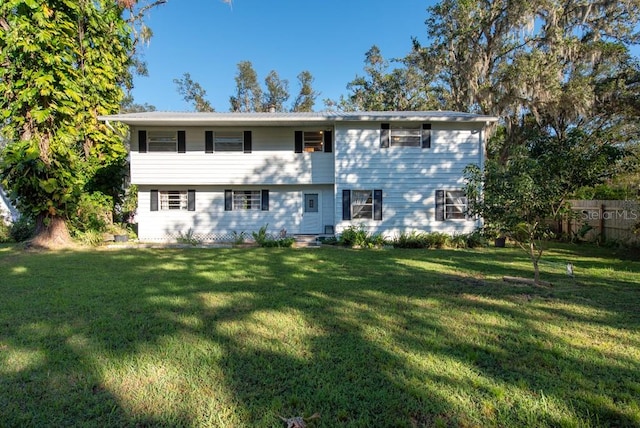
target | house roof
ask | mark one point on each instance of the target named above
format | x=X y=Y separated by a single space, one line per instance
x=158 y=118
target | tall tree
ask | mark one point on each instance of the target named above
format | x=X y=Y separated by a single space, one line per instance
x=248 y=96
x=402 y=88
x=277 y=92
x=193 y=93
x=522 y=60
x=306 y=98
x=62 y=65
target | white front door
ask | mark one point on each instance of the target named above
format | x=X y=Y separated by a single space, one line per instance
x=311 y=212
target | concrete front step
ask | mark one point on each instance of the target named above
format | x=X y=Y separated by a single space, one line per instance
x=306 y=241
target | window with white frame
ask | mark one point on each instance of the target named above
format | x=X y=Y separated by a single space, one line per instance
x=228 y=141
x=247 y=200
x=313 y=141
x=455 y=205
x=173 y=200
x=361 y=204
x=406 y=136
x=162 y=141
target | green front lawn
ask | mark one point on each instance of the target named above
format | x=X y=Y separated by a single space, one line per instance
x=388 y=338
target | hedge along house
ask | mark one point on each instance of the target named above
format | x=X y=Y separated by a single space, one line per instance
x=216 y=174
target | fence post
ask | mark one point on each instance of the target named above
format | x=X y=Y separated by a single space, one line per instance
x=601 y=224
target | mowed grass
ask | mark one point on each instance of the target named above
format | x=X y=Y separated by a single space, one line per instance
x=387 y=338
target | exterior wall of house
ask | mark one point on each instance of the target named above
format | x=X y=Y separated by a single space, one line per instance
x=271 y=161
x=210 y=222
x=407 y=176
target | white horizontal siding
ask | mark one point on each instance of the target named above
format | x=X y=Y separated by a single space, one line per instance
x=272 y=161
x=210 y=221
x=408 y=176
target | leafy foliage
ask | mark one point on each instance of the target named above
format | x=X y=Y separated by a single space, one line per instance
x=64 y=64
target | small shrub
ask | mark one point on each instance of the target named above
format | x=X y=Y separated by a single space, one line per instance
x=91 y=238
x=358 y=237
x=5 y=230
x=458 y=240
x=187 y=238
x=280 y=243
x=328 y=240
x=476 y=239
x=239 y=237
x=22 y=229
x=437 y=240
x=411 y=239
x=261 y=235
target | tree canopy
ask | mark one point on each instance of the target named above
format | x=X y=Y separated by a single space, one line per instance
x=63 y=65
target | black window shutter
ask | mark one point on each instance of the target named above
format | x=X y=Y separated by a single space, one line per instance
x=439 y=205
x=377 y=204
x=154 y=200
x=426 y=135
x=346 y=204
x=208 y=141
x=182 y=142
x=228 y=200
x=191 y=200
x=328 y=141
x=298 y=142
x=247 y=141
x=385 y=135
x=142 y=141
x=265 y=200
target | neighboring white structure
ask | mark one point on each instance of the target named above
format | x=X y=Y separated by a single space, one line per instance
x=7 y=211
x=307 y=173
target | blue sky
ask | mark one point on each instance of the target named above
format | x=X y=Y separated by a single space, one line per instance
x=329 y=38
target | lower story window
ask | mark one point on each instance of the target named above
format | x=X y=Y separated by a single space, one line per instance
x=173 y=200
x=455 y=205
x=361 y=204
x=451 y=205
x=165 y=200
x=247 y=200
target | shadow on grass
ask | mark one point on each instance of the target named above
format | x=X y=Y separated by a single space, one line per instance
x=372 y=338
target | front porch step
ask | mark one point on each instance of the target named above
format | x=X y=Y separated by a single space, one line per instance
x=306 y=241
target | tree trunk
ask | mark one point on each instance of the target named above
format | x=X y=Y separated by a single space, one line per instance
x=534 y=260
x=51 y=233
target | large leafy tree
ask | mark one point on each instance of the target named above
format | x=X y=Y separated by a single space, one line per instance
x=518 y=197
x=403 y=88
x=63 y=64
x=564 y=64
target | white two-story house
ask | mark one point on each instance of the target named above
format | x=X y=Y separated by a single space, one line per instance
x=214 y=174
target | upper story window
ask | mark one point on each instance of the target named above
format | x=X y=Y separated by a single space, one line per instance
x=402 y=136
x=314 y=141
x=406 y=135
x=227 y=141
x=162 y=141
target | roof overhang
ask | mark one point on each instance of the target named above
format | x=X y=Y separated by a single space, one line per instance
x=290 y=119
